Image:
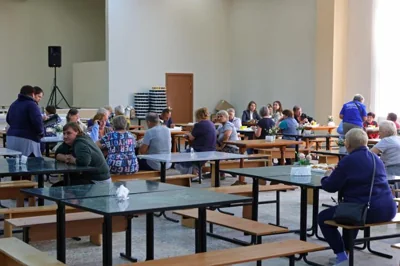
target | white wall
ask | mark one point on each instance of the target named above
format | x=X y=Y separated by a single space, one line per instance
x=90 y=84
x=27 y=28
x=148 y=38
x=273 y=52
x=359 y=60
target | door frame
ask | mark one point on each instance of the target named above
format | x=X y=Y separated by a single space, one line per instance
x=191 y=86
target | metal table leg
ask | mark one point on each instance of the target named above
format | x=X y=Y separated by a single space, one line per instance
x=201 y=231
x=163 y=177
x=128 y=241
x=303 y=214
x=61 y=232
x=149 y=236
x=47 y=149
x=40 y=185
x=107 y=240
x=216 y=170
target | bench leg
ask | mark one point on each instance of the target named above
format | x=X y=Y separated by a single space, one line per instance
x=95 y=239
x=25 y=235
x=367 y=234
x=350 y=246
x=20 y=202
x=32 y=201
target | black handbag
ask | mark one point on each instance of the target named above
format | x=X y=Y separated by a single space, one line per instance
x=350 y=213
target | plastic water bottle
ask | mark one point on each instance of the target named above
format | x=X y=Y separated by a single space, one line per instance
x=191 y=152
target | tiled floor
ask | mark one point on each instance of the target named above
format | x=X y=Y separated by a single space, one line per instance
x=172 y=239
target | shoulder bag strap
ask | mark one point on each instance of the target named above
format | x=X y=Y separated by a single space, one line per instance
x=373 y=178
x=359 y=110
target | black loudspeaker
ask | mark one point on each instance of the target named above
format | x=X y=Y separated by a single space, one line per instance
x=54 y=56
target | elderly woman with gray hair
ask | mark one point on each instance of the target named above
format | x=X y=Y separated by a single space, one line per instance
x=353 y=178
x=120 y=146
x=226 y=131
x=264 y=124
x=389 y=147
x=353 y=113
x=234 y=120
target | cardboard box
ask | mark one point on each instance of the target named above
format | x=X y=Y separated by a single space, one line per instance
x=223 y=105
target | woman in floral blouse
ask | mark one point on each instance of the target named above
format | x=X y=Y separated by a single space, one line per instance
x=120 y=146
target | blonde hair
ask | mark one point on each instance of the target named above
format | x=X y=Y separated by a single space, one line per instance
x=356 y=138
x=202 y=114
x=99 y=116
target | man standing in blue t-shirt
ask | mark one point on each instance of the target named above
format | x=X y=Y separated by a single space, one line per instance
x=353 y=113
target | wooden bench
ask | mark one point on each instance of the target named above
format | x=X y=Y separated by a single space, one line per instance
x=367 y=237
x=236 y=164
x=247 y=190
x=250 y=227
x=328 y=159
x=286 y=248
x=11 y=190
x=14 y=252
x=40 y=228
x=179 y=180
x=275 y=153
x=10 y=213
x=137 y=175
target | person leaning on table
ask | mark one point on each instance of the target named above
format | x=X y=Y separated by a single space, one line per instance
x=352 y=177
x=353 y=113
x=79 y=149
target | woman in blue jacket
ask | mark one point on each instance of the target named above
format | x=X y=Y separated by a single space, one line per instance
x=352 y=177
x=250 y=113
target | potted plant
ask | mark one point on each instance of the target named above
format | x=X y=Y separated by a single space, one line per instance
x=59 y=130
x=330 y=121
x=299 y=129
x=271 y=134
x=303 y=159
x=340 y=143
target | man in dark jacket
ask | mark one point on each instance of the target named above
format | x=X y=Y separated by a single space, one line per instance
x=26 y=124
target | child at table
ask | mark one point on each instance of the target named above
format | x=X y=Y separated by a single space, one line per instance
x=371 y=122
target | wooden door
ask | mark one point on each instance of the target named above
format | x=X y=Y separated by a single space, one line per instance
x=180 y=96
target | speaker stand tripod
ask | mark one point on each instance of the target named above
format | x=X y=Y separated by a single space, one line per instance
x=53 y=94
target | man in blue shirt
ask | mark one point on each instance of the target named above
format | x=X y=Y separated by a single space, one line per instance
x=353 y=113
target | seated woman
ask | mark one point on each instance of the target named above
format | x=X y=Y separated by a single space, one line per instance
x=250 y=113
x=52 y=119
x=237 y=123
x=226 y=131
x=120 y=146
x=99 y=128
x=264 y=124
x=120 y=110
x=389 y=147
x=352 y=177
x=79 y=149
x=73 y=116
x=288 y=126
x=371 y=122
x=277 y=111
x=202 y=138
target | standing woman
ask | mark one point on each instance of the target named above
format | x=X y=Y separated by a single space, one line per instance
x=277 y=111
x=353 y=113
x=250 y=113
x=26 y=124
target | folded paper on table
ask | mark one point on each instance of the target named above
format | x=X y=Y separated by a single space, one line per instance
x=122 y=193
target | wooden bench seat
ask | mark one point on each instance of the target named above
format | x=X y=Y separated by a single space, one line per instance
x=395 y=220
x=11 y=190
x=244 y=225
x=137 y=175
x=247 y=190
x=179 y=180
x=246 y=164
x=286 y=248
x=38 y=228
x=10 y=213
x=275 y=153
x=328 y=159
x=14 y=252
